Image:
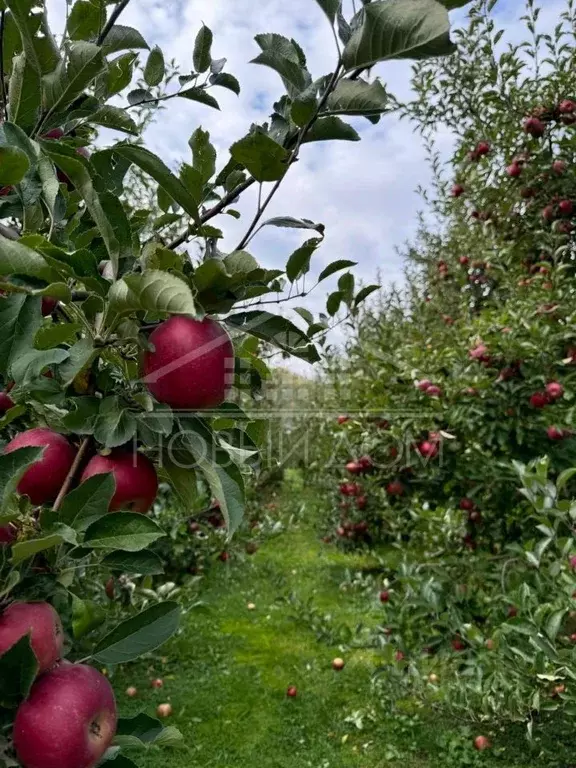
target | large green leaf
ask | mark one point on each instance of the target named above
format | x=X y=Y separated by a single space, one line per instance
x=115 y=425
x=183 y=481
x=155 y=68
x=85 y=504
x=24 y=550
x=80 y=356
x=145 y=563
x=202 y=49
x=357 y=97
x=330 y=8
x=263 y=157
x=38 y=46
x=14 y=165
x=20 y=319
x=299 y=262
x=203 y=155
x=154 y=291
x=18 y=259
x=121 y=38
x=139 y=635
x=28 y=366
x=282 y=55
x=334 y=267
x=330 y=129
x=115 y=118
x=86 y=19
x=225 y=80
x=200 y=95
x=396 y=29
x=156 y=168
x=18 y=670
x=128 y=531
x=24 y=93
x=277 y=330
x=67 y=82
x=12 y=467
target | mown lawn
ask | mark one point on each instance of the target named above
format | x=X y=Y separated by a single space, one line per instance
x=226 y=675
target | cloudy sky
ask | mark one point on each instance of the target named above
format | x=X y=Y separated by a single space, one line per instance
x=364 y=192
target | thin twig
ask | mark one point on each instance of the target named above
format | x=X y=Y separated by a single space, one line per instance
x=112 y=20
x=292 y=159
x=2 y=81
x=71 y=474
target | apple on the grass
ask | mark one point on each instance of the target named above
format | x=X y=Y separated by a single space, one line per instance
x=68 y=721
x=338 y=664
x=157 y=683
x=42 y=481
x=164 y=710
x=481 y=743
x=41 y=622
x=135 y=477
x=190 y=363
x=131 y=692
x=292 y=692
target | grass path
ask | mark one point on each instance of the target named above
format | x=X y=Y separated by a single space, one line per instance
x=227 y=674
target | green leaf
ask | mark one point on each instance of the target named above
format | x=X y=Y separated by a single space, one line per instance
x=153 y=291
x=395 y=29
x=262 y=156
x=200 y=95
x=203 y=154
x=155 y=69
x=85 y=504
x=139 y=635
x=142 y=727
x=304 y=106
x=128 y=531
x=20 y=319
x=330 y=8
x=336 y=266
x=183 y=481
x=363 y=293
x=115 y=118
x=80 y=357
x=144 y=563
x=29 y=366
x=40 y=50
x=115 y=424
x=277 y=330
x=224 y=80
x=12 y=467
x=357 y=97
x=554 y=623
x=154 y=167
x=14 y=165
x=122 y=38
x=18 y=670
x=202 y=50
x=333 y=303
x=119 y=74
x=282 y=55
x=86 y=617
x=86 y=19
x=26 y=549
x=24 y=94
x=331 y=129
x=299 y=262
x=66 y=83
x=289 y=222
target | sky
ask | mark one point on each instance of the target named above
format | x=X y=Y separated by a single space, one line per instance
x=363 y=192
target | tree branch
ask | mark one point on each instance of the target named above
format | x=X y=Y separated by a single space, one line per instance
x=2 y=75
x=71 y=474
x=114 y=16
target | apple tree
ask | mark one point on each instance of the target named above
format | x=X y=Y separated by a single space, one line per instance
x=125 y=330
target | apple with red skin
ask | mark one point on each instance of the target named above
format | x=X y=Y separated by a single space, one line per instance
x=573 y=562
x=555 y=390
x=338 y=664
x=399 y=656
x=423 y=385
x=539 y=400
x=135 y=477
x=534 y=127
x=479 y=352
x=48 y=305
x=514 y=170
x=458 y=644
x=224 y=557
x=68 y=721
x=482 y=148
x=434 y=391
x=567 y=106
x=343 y=419
x=131 y=692
x=427 y=449
x=164 y=710
x=6 y=402
x=559 y=167
x=548 y=213
x=464 y=260
x=42 y=623
x=467 y=504
x=554 y=433
x=566 y=207
x=395 y=488
x=42 y=481
x=191 y=365
x=157 y=683
x=475 y=517
x=8 y=534
x=482 y=743
x=354 y=467
x=5 y=191
x=512 y=612
x=292 y=692
x=110 y=588
x=384 y=596
x=457 y=190
x=361 y=502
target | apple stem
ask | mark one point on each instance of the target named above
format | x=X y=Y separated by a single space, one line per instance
x=71 y=474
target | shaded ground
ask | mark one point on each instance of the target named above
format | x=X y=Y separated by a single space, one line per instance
x=227 y=674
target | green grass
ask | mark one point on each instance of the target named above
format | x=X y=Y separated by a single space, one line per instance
x=227 y=673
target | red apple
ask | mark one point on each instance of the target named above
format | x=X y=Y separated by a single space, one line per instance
x=131 y=692
x=135 y=477
x=458 y=644
x=338 y=664
x=464 y=260
x=423 y=385
x=6 y=402
x=457 y=190
x=361 y=502
x=567 y=106
x=534 y=127
x=554 y=389
x=192 y=363
x=559 y=167
x=343 y=419
x=110 y=588
x=427 y=449
x=157 y=683
x=292 y=692
x=42 y=623
x=554 y=433
x=55 y=133
x=548 y=213
x=395 y=488
x=224 y=557
x=467 y=504
x=8 y=534
x=68 y=721
x=42 y=481
x=434 y=391
x=384 y=596
x=354 y=467
x=539 y=400
x=399 y=656
x=482 y=148
x=164 y=710
x=48 y=305
x=481 y=743
x=514 y=170
x=512 y=612
x=566 y=207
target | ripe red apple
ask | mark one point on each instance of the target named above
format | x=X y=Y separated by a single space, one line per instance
x=157 y=683
x=384 y=596
x=512 y=612
x=338 y=664
x=55 y=133
x=135 y=477
x=566 y=207
x=464 y=260
x=427 y=449
x=68 y=721
x=292 y=692
x=534 y=127
x=343 y=419
x=559 y=167
x=554 y=433
x=354 y=467
x=475 y=517
x=6 y=402
x=131 y=692
x=573 y=562
x=224 y=557
x=514 y=170
x=471 y=391
x=482 y=148
x=361 y=502
x=423 y=385
x=42 y=481
x=366 y=463
x=8 y=534
x=567 y=106
x=395 y=488
x=192 y=363
x=457 y=190
x=399 y=656
x=42 y=623
x=479 y=352
x=467 y=504
x=110 y=588
x=548 y=213
x=164 y=710
x=48 y=305
x=458 y=644
x=481 y=743
x=539 y=400
x=434 y=391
